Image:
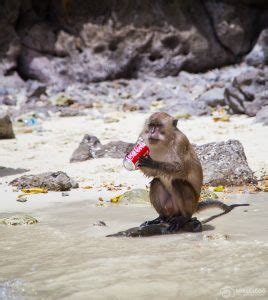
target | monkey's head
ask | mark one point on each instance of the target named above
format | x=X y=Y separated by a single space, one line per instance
x=159 y=129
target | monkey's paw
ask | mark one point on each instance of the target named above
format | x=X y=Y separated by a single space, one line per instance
x=146 y=161
x=156 y=221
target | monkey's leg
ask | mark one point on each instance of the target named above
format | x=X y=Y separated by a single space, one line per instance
x=185 y=197
x=158 y=196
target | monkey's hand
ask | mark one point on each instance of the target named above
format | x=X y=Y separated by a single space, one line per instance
x=146 y=161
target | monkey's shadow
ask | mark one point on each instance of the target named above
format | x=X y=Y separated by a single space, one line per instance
x=151 y=230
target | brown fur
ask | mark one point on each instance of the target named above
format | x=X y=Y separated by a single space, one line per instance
x=177 y=171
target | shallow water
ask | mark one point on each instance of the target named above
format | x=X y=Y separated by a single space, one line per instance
x=65 y=256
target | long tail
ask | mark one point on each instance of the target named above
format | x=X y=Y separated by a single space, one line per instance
x=207 y=204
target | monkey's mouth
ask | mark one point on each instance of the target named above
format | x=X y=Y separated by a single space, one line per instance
x=153 y=141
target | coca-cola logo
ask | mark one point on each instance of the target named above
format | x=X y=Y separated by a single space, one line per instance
x=132 y=154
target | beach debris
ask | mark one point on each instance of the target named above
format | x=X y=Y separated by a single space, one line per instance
x=36 y=190
x=220 y=115
x=135 y=196
x=224 y=163
x=208 y=194
x=116 y=199
x=19 y=220
x=51 y=181
x=219 y=188
x=216 y=236
x=6 y=129
x=87 y=187
x=99 y=223
x=22 y=198
x=131 y=107
x=61 y=99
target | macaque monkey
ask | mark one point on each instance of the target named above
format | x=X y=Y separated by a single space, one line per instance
x=177 y=175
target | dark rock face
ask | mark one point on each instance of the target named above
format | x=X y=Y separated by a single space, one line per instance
x=248 y=92
x=224 y=163
x=53 y=181
x=87 y=41
x=6 y=129
x=91 y=147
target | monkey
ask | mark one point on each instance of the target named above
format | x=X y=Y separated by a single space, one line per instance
x=177 y=175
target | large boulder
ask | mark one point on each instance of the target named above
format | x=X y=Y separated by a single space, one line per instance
x=224 y=163
x=52 y=181
x=247 y=94
x=6 y=129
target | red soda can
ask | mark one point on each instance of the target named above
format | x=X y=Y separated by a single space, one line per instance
x=131 y=160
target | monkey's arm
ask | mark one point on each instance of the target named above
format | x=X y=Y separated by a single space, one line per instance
x=167 y=168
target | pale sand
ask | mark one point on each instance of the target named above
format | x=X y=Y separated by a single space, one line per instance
x=52 y=149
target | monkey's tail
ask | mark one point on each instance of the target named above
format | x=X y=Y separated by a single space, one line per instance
x=206 y=204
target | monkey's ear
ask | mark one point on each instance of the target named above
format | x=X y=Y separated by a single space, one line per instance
x=175 y=122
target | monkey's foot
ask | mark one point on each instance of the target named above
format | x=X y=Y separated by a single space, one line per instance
x=176 y=223
x=156 y=221
x=193 y=226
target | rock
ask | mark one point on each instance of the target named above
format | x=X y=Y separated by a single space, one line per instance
x=224 y=163
x=18 y=220
x=35 y=89
x=71 y=112
x=90 y=147
x=116 y=149
x=262 y=115
x=86 y=149
x=52 y=181
x=55 y=42
x=213 y=97
x=136 y=196
x=100 y=223
x=6 y=129
x=247 y=94
x=258 y=56
x=61 y=100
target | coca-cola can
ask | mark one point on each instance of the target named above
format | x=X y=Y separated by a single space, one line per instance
x=131 y=160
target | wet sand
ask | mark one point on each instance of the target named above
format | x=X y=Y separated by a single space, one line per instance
x=65 y=256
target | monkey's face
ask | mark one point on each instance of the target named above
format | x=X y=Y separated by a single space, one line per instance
x=159 y=130
x=154 y=134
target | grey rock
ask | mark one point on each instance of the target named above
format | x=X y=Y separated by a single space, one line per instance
x=86 y=149
x=53 y=181
x=224 y=163
x=19 y=220
x=122 y=40
x=116 y=149
x=258 y=56
x=247 y=94
x=6 y=129
x=213 y=97
x=262 y=115
x=91 y=147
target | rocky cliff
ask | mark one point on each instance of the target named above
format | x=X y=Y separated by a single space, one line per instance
x=89 y=41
